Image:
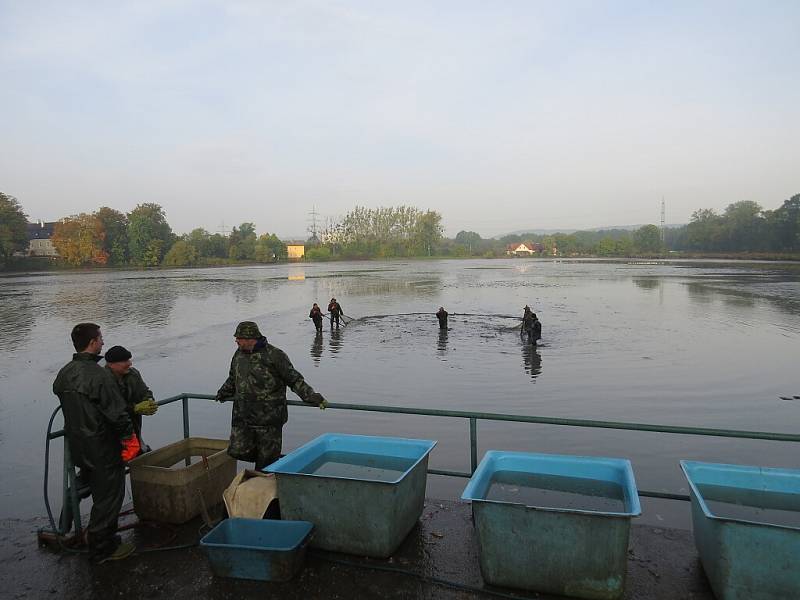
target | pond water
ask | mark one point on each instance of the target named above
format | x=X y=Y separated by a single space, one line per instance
x=699 y=344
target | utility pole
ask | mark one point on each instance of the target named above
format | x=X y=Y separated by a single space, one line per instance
x=313 y=218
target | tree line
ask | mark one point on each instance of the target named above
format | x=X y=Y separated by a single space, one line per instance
x=142 y=238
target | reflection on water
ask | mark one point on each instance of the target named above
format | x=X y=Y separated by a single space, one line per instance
x=316 y=348
x=532 y=360
x=441 y=344
x=16 y=317
x=647 y=283
x=335 y=340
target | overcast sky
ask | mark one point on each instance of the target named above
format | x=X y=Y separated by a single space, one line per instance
x=500 y=115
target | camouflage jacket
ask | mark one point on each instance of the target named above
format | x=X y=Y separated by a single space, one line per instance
x=133 y=390
x=95 y=419
x=257 y=384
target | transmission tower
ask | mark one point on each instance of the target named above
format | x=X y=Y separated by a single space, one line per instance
x=663 y=220
x=223 y=229
x=313 y=218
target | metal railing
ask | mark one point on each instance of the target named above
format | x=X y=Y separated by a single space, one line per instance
x=474 y=417
x=70 y=484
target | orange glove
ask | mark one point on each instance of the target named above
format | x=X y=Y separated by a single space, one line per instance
x=130 y=448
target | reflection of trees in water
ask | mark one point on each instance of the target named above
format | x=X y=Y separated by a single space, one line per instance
x=316 y=348
x=441 y=344
x=532 y=360
x=16 y=318
x=705 y=293
x=648 y=283
x=341 y=287
x=147 y=303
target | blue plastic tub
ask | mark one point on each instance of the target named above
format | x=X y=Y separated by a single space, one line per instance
x=554 y=524
x=262 y=549
x=746 y=523
x=363 y=493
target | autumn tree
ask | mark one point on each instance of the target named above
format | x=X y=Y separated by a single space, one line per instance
x=79 y=240
x=13 y=226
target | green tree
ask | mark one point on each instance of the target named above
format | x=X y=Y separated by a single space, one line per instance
x=268 y=248
x=79 y=240
x=705 y=230
x=784 y=225
x=13 y=226
x=182 y=254
x=148 y=234
x=470 y=239
x=115 y=241
x=648 y=239
x=744 y=226
x=429 y=231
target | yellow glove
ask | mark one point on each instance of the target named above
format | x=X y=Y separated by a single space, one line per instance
x=147 y=407
x=316 y=398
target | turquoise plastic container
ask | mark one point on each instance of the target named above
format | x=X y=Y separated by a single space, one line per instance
x=363 y=493
x=261 y=549
x=551 y=549
x=752 y=556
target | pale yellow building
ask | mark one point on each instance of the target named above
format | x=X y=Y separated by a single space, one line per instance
x=295 y=251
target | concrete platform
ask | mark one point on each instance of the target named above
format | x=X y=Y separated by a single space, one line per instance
x=663 y=565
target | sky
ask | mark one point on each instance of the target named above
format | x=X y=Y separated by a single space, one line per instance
x=500 y=116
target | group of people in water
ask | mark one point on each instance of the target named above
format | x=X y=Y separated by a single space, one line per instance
x=334 y=313
x=531 y=327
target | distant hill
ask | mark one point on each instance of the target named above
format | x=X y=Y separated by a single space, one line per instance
x=568 y=231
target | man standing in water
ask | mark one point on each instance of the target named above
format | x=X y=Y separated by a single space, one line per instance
x=256 y=383
x=100 y=436
x=138 y=397
x=536 y=330
x=441 y=314
x=335 y=311
x=316 y=316
x=527 y=323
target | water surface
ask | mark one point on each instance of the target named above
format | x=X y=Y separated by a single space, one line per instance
x=699 y=344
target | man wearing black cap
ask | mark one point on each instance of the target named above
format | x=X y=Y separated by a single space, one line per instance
x=100 y=436
x=138 y=397
x=256 y=383
x=335 y=311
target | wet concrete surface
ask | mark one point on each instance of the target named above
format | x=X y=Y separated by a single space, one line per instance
x=663 y=565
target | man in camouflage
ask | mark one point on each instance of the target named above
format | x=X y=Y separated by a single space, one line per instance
x=256 y=383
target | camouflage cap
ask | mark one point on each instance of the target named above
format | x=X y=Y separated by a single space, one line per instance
x=247 y=330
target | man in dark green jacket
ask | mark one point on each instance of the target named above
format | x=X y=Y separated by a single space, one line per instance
x=138 y=397
x=256 y=383
x=100 y=437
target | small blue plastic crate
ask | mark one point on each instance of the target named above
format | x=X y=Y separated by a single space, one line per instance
x=261 y=549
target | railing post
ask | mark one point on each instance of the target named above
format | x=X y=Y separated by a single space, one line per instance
x=74 y=500
x=473 y=444
x=185 y=401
